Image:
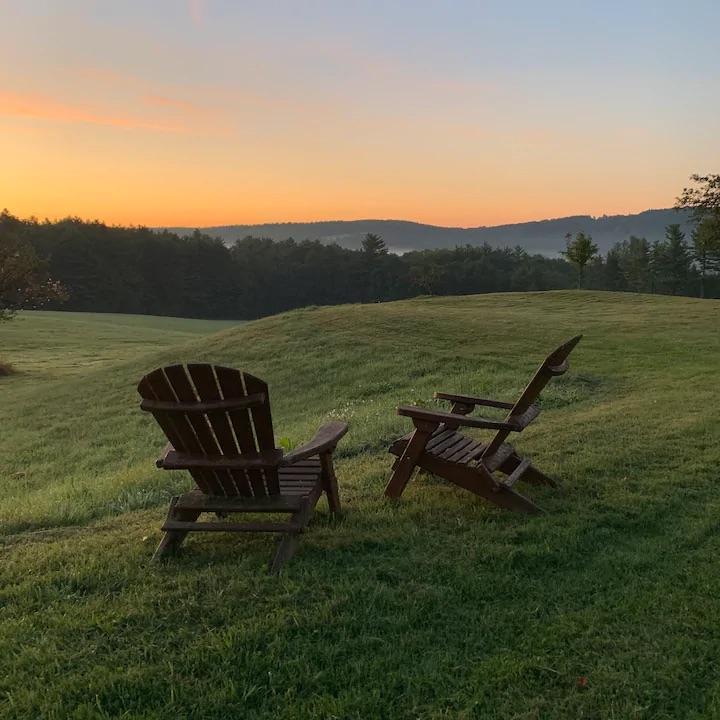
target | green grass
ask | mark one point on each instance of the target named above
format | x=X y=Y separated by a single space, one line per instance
x=45 y=343
x=437 y=607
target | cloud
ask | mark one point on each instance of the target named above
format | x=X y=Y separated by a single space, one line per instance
x=197 y=11
x=44 y=108
x=168 y=102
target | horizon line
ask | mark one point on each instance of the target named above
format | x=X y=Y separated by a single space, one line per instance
x=409 y=222
x=335 y=220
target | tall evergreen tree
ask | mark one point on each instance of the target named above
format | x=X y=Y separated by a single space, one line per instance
x=656 y=260
x=614 y=278
x=674 y=261
x=635 y=263
x=373 y=245
x=375 y=253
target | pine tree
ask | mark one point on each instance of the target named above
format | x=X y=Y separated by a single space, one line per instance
x=635 y=263
x=373 y=245
x=674 y=266
x=614 y=278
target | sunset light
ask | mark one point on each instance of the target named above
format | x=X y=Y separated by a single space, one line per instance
x=215 y=112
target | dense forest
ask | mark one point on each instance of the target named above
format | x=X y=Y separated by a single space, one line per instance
x=105 y=268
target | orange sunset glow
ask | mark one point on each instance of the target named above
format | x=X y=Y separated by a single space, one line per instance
x=189 y=117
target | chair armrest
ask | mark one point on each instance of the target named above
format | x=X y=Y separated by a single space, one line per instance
x=326 y=438
x=522 y=421
x=187 y=461
x=163 y=455
x=438 y=416
x=470 y=400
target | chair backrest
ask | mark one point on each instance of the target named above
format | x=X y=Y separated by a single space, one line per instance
x=556 y=363
x=213 y=411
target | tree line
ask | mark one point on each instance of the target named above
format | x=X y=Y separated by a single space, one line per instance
x=673 y=265
x=89 y=266
x=103 y=268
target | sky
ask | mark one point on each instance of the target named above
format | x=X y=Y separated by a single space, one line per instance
x=456 y=112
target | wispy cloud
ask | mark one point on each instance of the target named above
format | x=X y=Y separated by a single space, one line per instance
x=197 y=11
x=45 y=108
x=168 y=102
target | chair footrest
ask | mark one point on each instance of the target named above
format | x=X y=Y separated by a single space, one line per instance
x=231 y=527
x=517 y=473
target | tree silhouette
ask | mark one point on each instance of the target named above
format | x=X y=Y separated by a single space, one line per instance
x=373 y=245
x=24 y=282
x=702 y=200
x=673 y=260
x=580 y=251
x=706 y=248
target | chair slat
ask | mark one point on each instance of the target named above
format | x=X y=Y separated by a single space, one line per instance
x=208 y=391
x=262 y=419
x=196 y=500
x=457 y=450
x=231 y=385
x=184 y=391
x=176 y=426
x=262 y=422
x=467 y=452
x=195 y=526
x=448 y=444
x=438 y=437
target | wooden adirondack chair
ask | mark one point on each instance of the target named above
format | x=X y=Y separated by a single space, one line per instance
x=218 y=422
x=437 y=446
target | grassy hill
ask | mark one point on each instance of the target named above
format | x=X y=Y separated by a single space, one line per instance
x=437 y=607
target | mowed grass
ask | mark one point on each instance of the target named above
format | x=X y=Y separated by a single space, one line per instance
x=439 y=606
x=50 y=344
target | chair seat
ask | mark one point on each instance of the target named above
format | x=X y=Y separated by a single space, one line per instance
x=453 y=446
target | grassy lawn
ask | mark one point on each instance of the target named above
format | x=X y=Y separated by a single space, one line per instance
x=59 y=343
x=436 y=607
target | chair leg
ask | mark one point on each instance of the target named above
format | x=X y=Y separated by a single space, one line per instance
x=330 y=483
x=290 y=541
x=404 y=466
x=286 y=549
x=487 y=487
x=173 y=539
x=531 y=475
x=480 y=481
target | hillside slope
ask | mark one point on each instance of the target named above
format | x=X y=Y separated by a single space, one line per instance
x=541 y=236
x=51 y=344
x=439 y=606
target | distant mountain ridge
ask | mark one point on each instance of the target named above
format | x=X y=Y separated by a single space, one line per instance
x=541 y=236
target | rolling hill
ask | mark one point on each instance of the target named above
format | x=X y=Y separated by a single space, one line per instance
x=543 y=236
x=438 y=606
